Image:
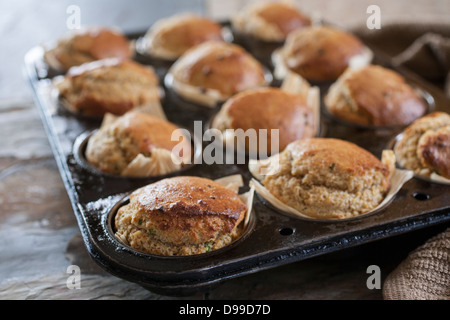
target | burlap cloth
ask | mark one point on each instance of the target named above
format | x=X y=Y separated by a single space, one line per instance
x=425 y=50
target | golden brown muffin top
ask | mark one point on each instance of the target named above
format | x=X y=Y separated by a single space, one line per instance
x=337 y=154
x=147 y=131
x=320 y=53
x=191 y=196
x=91 y=44
x=287 y=18
x=434 y=150
x=272 y=108
x=109 y=85
x=221 y=66
x=186 y=32
x=384 y=96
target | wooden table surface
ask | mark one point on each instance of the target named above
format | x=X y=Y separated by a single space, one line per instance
x=39 y=235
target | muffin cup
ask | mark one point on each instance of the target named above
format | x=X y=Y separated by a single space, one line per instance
x=64 y=106
x=79 y=152
x=398 y=179
x=294 y=84
x=193 y=97
x=432 y=178
x=281 y=71
x=423 y=94
x=233 y=182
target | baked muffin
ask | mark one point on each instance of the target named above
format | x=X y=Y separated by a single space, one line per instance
x=269 y=21
x=86 y=45
x=374 y=96
x=214 y=71
x=327 y=178
x=267 y=109
x=181 y=216
x=170 y=37
x=319 y=53
x=424 y=146
x=108 y=86
x=137 y=144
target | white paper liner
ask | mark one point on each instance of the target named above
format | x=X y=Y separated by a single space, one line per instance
x=438 y=178
x=159 y=163
x=398 y=178
x=234 y=182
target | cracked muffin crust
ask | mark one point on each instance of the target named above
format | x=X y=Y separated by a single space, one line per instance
x=180 y=216
x=108 y=86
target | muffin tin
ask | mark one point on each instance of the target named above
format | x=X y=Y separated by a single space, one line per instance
x=272 y=239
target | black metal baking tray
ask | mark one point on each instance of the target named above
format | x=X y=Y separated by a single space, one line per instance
x=274 y=239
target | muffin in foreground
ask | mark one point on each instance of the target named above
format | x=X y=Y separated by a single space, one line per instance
x=214 y=71
x=87 y=45
x=424 y=146
x=171 y=37
x=327 y=178
x=108 y=86
x=374 y=96
x=319 y=53
x=269 y=21
x=136 y=144
x=181 y=216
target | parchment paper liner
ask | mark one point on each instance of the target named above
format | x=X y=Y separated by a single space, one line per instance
x=398 y=178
